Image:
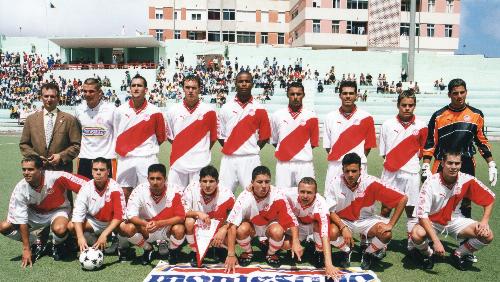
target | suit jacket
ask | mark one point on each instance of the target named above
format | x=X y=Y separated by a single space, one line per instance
x=66 y=139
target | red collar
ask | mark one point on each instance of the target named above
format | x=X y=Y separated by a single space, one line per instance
x=294 y=114
x=101 y=192
x=243 y=105
x=191 y=110
x=158 y=198
x=40 y=187
x=208 y=200
x=305 y=207
x=449 y=186
x=347 y=115
x=142 y=107
x=406 y=124
x=354 y=187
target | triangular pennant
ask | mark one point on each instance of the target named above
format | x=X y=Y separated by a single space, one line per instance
x=203 y=235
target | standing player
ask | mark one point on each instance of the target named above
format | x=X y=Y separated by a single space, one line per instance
x=351 y=197
x=205 y=200
x=244 y=129
x=402 y=139
x=438 y=211
x=295 y=132
x=99 y=210
x=155 y=214
x=192 y=130
x=140 y=128
x=261 y=210
x=347 y=130
x=96 y=118
x=313 y=216
x=39 y=201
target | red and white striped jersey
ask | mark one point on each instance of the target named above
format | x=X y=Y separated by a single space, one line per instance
x=317 y=211
x=51 y=195
x=142 y=204
x=241 y=126
x=98 y=136
x=139 y=133
x=103 y=206
x=274 y=207
x=191 y=133
x=218 y=207
x=360 y=203
x=294 y=134
x=402 y=145
x=352 y=134
x=440 y=204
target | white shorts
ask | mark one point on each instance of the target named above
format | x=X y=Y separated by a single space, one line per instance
x=404 y=182
x=182 y=179
x=236 y=170
x=132 y=171
x=97 y=225
x=335 y=169
x=160 y=234
x=260 y=230
x=37 y=220
x=454 y=226
x=363 y=226
x=289 y=174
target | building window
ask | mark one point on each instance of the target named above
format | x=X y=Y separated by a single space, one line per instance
x=245 y=37
x=264 y=38
x=336 y=4
x=196 y=35
x=405 y=5
x=335 y=26
x=159 y=34
x=356 y=27
x=177 y=34
x=449 y=6
x=431 y=5
x=295 y=13
x=430 y=30
x=357 y=4
x=229 y=36
x=175 y=15
x=196 y=17
x=228 y=14
x=404 y=29
x=159 y=13
x=316 y=26
x=214 y=14
x=316 y=3
x=281 y=38
x=213 y=36
x=448 y=30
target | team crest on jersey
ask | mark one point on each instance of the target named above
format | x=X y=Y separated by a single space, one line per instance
x=100 y=120
x=251 y=112
x=200 y=117
x=467 y=118
x=356 y=122
x=93 y=131
x=415 y=132
x=303 y=122
x=146 y=117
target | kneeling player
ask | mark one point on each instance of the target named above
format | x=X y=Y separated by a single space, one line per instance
x=438 y=210
x=205 y=200
x=99 y=210
x=351 y=197
x=312 y=214
x=39 y=201
x=155 y=214
x=261 y=210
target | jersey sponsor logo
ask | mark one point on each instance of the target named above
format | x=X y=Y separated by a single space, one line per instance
x=93 y=131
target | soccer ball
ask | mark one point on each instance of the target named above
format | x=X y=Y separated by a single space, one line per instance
x=91 y=259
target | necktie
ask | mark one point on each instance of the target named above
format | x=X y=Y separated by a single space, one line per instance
x=49 y=129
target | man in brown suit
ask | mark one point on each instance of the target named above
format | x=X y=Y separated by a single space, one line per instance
x=52 y=134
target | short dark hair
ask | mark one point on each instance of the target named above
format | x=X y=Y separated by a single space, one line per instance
x=348 y=83
x=192 y=77
x=244 y=72
x=93 y=81
x=259 y=170
x=351 y=158
x=158 y=168
x=209 y=170
x=295 y=84
x=310 y=181
x=50 y=86
x=36 y=159
x=138 y=76
x=455 y=83
x=102 y=161
x=451 y=153
x=407 y=94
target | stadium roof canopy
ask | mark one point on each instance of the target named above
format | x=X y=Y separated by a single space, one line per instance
x=106 y=42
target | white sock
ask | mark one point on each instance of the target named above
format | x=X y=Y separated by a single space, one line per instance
x=245 y=244
x=341 y=244
x=174 y=243
x=274 y=246
x=137 y=240
x=190 y=240
x=469 y=247
x=424 y=248
x=375 y=245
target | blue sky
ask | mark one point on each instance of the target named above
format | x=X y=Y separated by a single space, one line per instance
x=479 y=33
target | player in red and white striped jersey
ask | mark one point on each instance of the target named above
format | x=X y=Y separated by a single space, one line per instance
x=313 y=217
x=402 y=139
x=99 y=208
x=205 y=200
x=348 y=129
x=438 y=211
x=295 y=132
x=244 y=129
x=351 y=197
x=38 y=201
x=141 y=129
x=261 y=210
x=192 y=130
x=155 y=214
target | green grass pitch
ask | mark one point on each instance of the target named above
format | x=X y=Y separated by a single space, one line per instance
x=395 y=267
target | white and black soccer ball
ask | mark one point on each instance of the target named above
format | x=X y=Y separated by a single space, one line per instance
x=91 y=259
